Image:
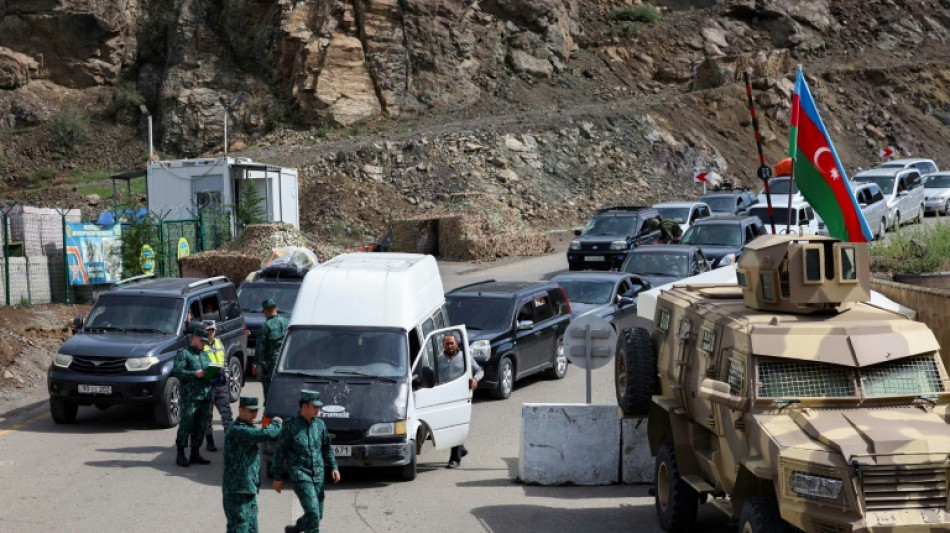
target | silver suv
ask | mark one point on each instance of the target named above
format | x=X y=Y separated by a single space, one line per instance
x=903 y=190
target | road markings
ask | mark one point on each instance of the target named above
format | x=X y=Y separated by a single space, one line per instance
x=22 y=425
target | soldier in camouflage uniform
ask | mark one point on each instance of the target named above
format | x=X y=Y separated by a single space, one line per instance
x=242 y=466
x=303 y=451
x=670 y=230
x=269 y=342
x=195 y=397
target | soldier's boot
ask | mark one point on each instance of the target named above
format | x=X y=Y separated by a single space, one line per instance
x=211 y=447
x=196 y=458
x=181 y=460
x=292 y=529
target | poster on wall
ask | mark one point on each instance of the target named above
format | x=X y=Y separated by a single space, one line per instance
x=94 y=253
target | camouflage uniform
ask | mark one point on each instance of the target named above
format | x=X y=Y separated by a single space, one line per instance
x=220 y=393
x=303 y=450
x=195 y=396
x=268 y=348
x=242 y=465
x=671 y=231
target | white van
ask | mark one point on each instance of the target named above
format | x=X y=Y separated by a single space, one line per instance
x=804 y=218
x=365 y=332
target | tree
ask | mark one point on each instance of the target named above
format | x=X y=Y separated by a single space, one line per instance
x=250 y=208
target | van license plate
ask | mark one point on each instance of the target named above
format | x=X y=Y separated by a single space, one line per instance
x=341 y=451
x=95 y=389
x=595 y=258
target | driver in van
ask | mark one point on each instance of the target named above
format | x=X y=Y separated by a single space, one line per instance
x=450 y=367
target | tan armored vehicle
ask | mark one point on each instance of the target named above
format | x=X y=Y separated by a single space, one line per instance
x=790 y=401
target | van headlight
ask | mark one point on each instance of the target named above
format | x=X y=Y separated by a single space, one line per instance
x=62 y=360
x=387 y=429
x=619 y=245
x=140 y=363
x=481 y=350
x=575 y=245
x=827 y=488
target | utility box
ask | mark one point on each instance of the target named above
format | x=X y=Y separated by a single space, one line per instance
x=178 y=189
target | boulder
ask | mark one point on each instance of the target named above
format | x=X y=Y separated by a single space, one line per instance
x=16 y=69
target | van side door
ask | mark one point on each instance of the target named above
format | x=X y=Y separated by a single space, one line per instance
x=442 y=397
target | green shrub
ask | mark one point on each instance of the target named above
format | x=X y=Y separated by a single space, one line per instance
x=914 y=252
x=25 y=302
x=643 y=13
x=126 y=100
x=250 y=209
x=70 y=128
x=135 y=235
x=322 y=132
x=41 y=176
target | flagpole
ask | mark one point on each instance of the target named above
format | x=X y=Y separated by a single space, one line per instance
x=792 y=183
x=764 y=171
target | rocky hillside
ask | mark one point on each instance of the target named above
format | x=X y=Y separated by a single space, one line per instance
x=393 y=107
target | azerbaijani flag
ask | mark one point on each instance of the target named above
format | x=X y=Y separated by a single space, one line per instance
x=818 y=170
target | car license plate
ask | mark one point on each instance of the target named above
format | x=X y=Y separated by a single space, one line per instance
x=95 y=389
x=341 y=451
x=595 y=258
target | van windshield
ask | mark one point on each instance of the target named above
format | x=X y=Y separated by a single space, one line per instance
x=142 y=314
x=346 y=351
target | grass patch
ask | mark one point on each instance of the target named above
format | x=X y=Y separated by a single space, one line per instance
x=97 y=182
x=916 y=252
x=69 y=129
x=644 y=13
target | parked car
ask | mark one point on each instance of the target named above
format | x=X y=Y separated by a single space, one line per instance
x=729 y=201
x=937 y=193
x=683 y=213
x=663 y=264
x=612 y=232
x=924 y=166
x=721 y=238
x=778 y=190
x=873 y=205
x=124 y=351
x=365 y=333
x=803 y=218
x=903 y=190
x=517 y=329
x=609 y=295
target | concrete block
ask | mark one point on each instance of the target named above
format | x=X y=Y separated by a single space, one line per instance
x=38 y=280
x=636 y=461
x=19 y=280
x=575 y=444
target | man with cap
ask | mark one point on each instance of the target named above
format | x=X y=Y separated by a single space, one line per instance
x=303 y=451
x=242 y=466
x=269 y=342
x=220 y=395
x=190 y=364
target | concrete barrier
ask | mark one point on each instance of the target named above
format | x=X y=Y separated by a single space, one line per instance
x=932 y=306
x=636 y=462
x=576 y=444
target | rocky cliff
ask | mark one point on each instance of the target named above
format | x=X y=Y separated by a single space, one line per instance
x=394 y=106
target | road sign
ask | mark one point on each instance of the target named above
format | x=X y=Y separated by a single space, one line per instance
x=707 y=176
x=886 y=153
x=764 y=172
x=147 y=259
x=183 y=248
x=590 y=342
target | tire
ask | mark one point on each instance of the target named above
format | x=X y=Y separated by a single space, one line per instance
x=676 y=502
x=635 y=375
x=761 y=514
x=506 y=379
x=408 y=472
x=897 y=222
x=168 y=409
x=235 y=379
x=559 y=369
x=946 y=208
x=883 y=232
x=920 y=215
x=63 y=412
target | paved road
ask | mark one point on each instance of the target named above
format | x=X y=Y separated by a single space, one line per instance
x=112 y=471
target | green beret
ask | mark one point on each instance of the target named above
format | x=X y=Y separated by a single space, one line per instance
x=268 y=303
x=249 y=402
x=311 y=396
x=200 y=333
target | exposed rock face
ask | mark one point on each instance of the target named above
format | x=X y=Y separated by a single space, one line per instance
x=16 y=69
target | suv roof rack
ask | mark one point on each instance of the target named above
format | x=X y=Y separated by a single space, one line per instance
x=133 y=279
x=206 y=281
x=472 y=285
x=630 y=208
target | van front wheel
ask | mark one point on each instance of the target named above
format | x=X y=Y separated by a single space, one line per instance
x=408 y=472
x=63 y=412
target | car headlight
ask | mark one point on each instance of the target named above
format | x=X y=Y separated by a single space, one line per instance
x=62 y=360
x=140 y=363
x=575 y=245
x=387 y=429
x=727 y=260
x=815 y=486
x=481 y=350
x=619 y=245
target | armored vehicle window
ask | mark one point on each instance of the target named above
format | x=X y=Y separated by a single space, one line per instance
x=684 y=328
x=848 y=272
x=813 y=259
x=914 y=375
x=780 y=378
x=663 y=323
x=709 y=340
x=736 y=376
x=740 y=279
x=768 y=286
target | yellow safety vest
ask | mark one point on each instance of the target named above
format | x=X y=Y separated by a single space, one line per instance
x=215 y=353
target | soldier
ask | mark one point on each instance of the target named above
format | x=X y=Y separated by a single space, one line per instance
x=195 y=397
x=302 y=450
x=220 y=393
x=670 y=230
x=242 y=465
x=269 y=343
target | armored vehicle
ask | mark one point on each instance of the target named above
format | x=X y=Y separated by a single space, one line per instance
x=789 y=401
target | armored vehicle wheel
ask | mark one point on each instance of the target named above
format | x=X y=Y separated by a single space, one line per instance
x=63 y=412
x=635 y=377
x=676 y=502
x=506 y=379
x=168 y=408
x=760 y=514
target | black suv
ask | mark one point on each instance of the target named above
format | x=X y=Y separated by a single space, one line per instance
x=515 y=329
x=729 y=200
x=721 y=238
x=123 y=353
x=612 y=232
x=282 y=284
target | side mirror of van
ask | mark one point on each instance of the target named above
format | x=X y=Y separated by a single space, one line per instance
x=902 y=193
x=577 y=232
x=625 y=300
x=718 y=392
x=525 y=325
x=862 y=206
